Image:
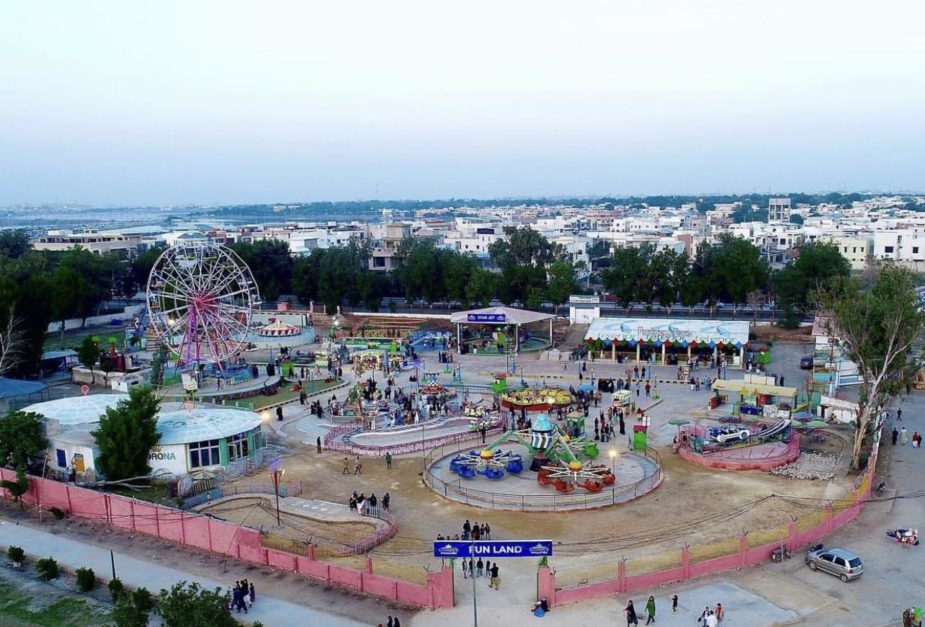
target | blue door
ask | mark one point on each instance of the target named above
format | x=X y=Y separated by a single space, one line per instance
x=62 y=460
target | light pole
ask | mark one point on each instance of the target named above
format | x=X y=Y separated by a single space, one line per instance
x=277 y=474
x=613 y=461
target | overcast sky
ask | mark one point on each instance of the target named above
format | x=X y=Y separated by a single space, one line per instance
x=131 y=102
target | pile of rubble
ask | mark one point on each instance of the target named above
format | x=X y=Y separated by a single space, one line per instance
x=814 y=466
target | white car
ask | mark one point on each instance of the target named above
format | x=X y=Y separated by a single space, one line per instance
x=732 y=434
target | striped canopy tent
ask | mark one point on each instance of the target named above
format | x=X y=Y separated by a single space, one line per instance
x=663 y=333
x=279 y=329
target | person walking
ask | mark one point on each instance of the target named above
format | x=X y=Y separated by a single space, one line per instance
x=279 y=412
x=674 y=603
x=895 y=435
x=388 y=460
x=385 y=501
x=347 y=464
x=486 y=531
x=903 y=436
x=252 y=593
x=899 y=415
x=479 y=566
x=470 y=568
x=495 y=579
x=711 y=620
x=465 y=569
x=650 y=610
x=318 y=444
x=630 y=610
x=487 y=568
x=719 y=612
x=358 y=469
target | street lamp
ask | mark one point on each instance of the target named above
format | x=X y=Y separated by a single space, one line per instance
x=277 y=474
x=613 y=461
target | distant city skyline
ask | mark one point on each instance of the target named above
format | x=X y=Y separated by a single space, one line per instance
x=112 y=103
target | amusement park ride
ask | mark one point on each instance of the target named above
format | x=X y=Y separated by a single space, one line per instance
x=200 y=298
x=556 y=458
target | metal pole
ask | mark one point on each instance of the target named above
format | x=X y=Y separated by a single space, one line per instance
x=475 y=603
x=276 y=489
x=112 y=562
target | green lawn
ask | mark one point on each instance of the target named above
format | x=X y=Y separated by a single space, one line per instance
x=285 y=394
x=73 y=339
x=15 y=611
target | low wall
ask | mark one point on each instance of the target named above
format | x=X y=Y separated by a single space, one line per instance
x=217 y=536
x=847 y=510
x=720 y=462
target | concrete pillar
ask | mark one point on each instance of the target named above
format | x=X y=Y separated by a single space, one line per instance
x=663 y=354
x=688 y=353
x=458 y=340
x=638 y=351
x=613 y=351
x=742 y=357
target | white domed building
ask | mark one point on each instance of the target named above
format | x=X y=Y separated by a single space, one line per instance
x=201 y=438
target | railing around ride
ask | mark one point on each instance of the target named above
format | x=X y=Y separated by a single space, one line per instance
x=531 y=502
x=332 y=444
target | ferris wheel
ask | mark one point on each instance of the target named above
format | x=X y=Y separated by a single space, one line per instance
x=200 y=299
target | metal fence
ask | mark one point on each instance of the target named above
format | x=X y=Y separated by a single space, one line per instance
x=531 y=502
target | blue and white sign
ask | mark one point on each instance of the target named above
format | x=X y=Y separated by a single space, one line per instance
x=496 y=318
x=493 y=548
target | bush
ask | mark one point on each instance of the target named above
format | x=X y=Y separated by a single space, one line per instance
x=16 y=555
x=116 y=589
x=127 y=615
x=57 y=513
x=143 y=599
x=47 y=568
x=86 y=579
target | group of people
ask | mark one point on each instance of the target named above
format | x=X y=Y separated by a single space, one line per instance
x=710 y=617
x=476 y=531
x=240 y=594
x=473 y=568
x=903 y=436
x=368 y=506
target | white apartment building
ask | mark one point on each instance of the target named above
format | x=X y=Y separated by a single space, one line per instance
x=856 y=249
x=778 y=210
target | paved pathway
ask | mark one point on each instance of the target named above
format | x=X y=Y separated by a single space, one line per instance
x=137 y=573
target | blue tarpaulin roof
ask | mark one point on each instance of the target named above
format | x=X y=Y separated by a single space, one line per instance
x=11 y=388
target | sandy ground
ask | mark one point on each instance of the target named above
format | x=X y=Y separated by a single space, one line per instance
x=705 y=508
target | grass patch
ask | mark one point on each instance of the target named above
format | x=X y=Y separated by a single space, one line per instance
x=15 y=609
x=285 y=394
x=154 y=493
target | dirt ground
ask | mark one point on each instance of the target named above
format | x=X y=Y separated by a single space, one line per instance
x=259 y=513
x=694 y=505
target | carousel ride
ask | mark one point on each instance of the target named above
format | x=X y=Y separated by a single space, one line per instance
x=536 y=399
x=556 y=458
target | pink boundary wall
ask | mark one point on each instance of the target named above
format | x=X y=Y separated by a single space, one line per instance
x=216 y=536
x=745 y=556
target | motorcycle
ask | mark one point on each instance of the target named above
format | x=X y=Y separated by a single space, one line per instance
x=904 y=536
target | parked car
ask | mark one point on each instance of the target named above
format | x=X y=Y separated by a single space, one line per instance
x=806 y=362
x=843 y=564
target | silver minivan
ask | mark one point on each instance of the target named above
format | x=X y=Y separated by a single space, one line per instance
x=843 y=564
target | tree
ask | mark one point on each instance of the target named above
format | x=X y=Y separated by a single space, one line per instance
x=126 y=435
x=481 y=287
x=12 y=340
x=877 y=328
x=14 y=243
x=732 y=269
x=68 y=291
x=21 y=435
x=18 y=487
x=817 y=265
x=140 y=269
x=88 y=353
x=523 y=246
x=190 y=604
x=271 y=265
x=561 y=282
x=622 y=278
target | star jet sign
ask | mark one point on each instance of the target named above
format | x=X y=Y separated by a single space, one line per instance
x=493 y=548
